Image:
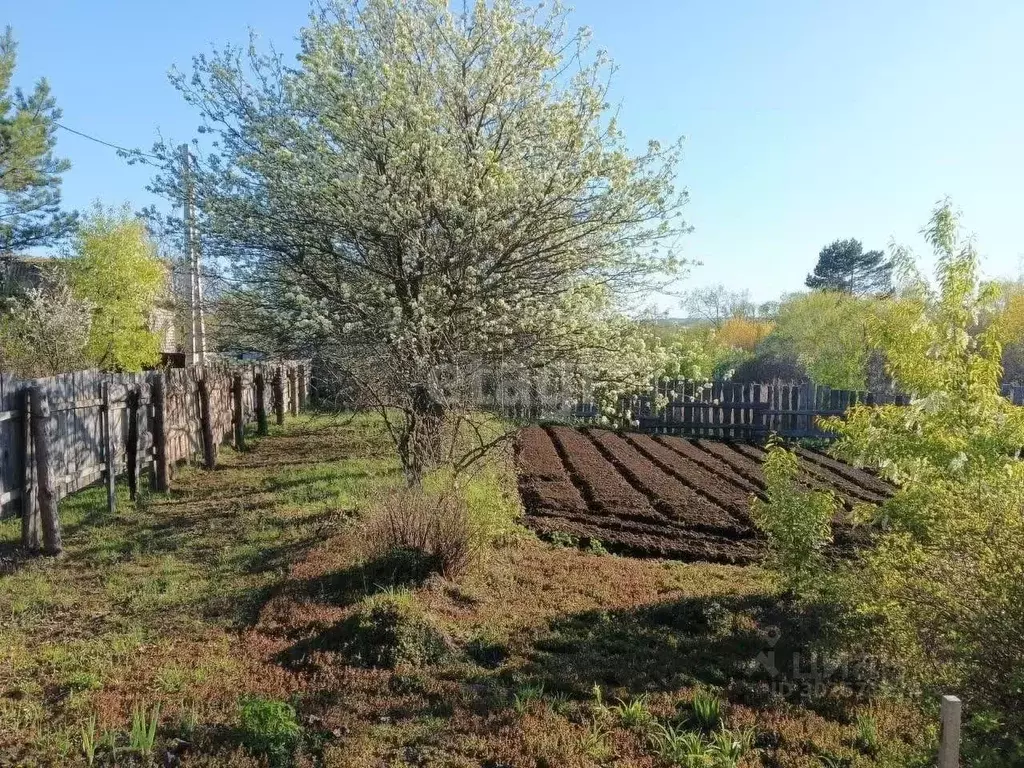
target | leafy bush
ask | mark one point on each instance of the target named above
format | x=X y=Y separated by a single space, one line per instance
x=412 y=520
x=391 y=629
x=797 y=522
x=943 y=587
x=270 y=728
x=563 y=539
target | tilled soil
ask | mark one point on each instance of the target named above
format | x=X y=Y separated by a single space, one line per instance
x=665 y=496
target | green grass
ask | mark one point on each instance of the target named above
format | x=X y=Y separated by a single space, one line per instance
x=226 y=607
x=149 y=597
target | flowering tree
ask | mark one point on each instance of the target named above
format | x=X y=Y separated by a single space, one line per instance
x=45 y=329
x=429 y=191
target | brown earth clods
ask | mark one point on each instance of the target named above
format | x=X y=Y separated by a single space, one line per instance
x=666 y=496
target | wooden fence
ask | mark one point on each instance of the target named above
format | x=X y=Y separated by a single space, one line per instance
x=694 y=409
x=99 y=426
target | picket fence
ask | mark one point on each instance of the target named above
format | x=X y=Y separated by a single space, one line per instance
x=101 y=425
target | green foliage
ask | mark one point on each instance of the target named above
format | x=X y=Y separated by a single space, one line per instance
x=596 y=743
x=944 y=586
x=142 y=737
x=595 y=547
x=681 y=747
x=525 y=695
x=115 y=268
x=797 y=522
x=690 y=749
x=827 y=332
x=867 y=735
x=390 y=629
x=706 y=711
x=633 y=713
x=563 y=539
x=730 y=746
x=45 y=330
x=89 y=742
x=845 y=266
x=30 y=174
x=269 y=728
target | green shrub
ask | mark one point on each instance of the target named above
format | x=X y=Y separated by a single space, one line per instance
x=269 y=728
x=391 y=629
x=797 y=522
x=563 y=539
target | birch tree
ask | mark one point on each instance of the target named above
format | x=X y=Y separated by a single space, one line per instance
x=429 y=190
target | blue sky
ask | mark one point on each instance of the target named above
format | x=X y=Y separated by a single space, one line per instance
x=804 y=121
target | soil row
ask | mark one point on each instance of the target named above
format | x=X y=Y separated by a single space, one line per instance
x=666 y=496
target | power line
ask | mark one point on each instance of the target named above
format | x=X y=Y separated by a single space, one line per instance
x=125 y=150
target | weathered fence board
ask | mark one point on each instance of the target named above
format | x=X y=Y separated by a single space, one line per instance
x=80 y=430
x=747 y=411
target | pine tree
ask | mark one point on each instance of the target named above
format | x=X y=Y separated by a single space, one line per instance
x=30 y=173
x=845 y=266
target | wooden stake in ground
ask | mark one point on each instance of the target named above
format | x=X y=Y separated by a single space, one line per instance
x=261 y=404
x=949 y=739
x=293 y=392
x=206 y=419
x=239 y=414
x=159 y=395
x=132 y=443
x=108 y=447
x=42 y=434
x=279 y=396
x=30 y=533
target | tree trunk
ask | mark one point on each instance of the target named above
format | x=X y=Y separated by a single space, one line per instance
x=420 y=443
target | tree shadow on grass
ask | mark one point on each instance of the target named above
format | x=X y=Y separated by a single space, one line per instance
x=757 y=650
x=398 y=569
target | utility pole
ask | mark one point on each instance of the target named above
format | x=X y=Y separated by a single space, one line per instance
x=198 y=326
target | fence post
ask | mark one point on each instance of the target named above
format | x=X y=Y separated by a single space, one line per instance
x=261 y=403
x=206 y=421
x=302 y=387
x=108 y=446
x=949 y=740
x=29 y=512
x=293 y=391
x=159 y=395
x=239 y=414
x=42 y=433
x=278 y=395
x=132 y=442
